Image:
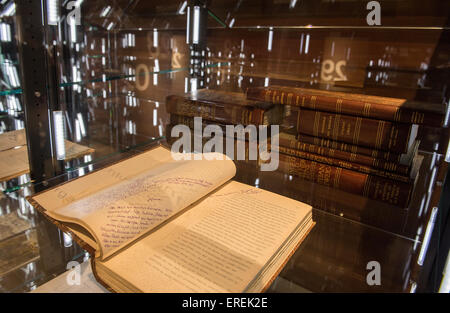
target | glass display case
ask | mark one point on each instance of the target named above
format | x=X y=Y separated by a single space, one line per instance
x=104 y=71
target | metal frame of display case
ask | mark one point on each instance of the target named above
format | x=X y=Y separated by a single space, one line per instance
x=39 y=84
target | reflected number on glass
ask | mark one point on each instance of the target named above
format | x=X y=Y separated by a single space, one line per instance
x=333 y=71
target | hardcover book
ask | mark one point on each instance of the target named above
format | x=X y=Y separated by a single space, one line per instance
x=391 y=109
x=224 y=107
x=403 y=159
x=154 y=224
x=359 y=131
x=289 y=145
x=375 y=187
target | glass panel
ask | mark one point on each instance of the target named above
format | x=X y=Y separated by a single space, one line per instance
x=116 y=67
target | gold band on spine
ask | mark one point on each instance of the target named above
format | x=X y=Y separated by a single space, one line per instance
x=366 y=110
x=289 y=98
x=337 y=120
x=379 y=138
x=337 y=177
x=339 y=105
x=357 y=130
x=313 y=102
x=316 y=124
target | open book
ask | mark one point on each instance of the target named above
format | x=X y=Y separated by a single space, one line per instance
x=155 y=224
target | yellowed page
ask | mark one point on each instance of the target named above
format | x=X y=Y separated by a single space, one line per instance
x=218 y=245
x=120 y=203
x=14 y=162
x=12 y=139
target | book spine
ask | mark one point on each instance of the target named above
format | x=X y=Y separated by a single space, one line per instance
x=219 y=113
x=376 y=134
x=366 y=160
x=344 y=164
x=357 y=106
x=378 y=188
x=342 y=146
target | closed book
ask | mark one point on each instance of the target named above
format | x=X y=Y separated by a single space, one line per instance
x=371 y=186
x=289 y=144
x=224 y=107
x=342 y=163
x=391 y=109
x=371 y=133
x=359 y=150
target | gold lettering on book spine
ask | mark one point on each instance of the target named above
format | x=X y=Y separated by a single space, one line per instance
x=337 y=121
x=331 y=152
x=312 y=102
x=337 y=177
x=282 y=98
x=323 y=174
x=357 y=130
x=289 y=98
x=316 y=124
x=366 y=110
x=379 y=137
x=338 y=105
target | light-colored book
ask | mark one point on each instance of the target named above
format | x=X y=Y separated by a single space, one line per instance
x=156 y=224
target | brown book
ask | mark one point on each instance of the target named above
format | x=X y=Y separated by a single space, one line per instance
x=374 y=187
x=359 y=131
x=359 y=150
x=290 y=144
x=155 y=224
x=391 y=109
x=344 y=164
x=224 y=107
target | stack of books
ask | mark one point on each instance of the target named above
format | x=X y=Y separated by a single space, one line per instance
x=220 y=108
x=361 y=144
x=357 y=143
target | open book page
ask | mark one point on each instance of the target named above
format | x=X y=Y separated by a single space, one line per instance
x=219 y=245
x=13 y=139
x=14 y=163
x=120 y=203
